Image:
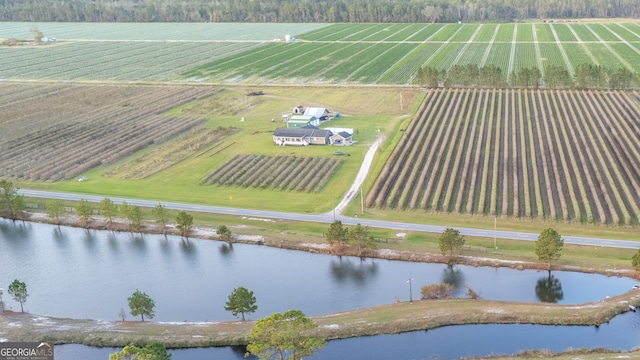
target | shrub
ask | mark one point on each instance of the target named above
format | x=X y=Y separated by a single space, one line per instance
x=437 y=291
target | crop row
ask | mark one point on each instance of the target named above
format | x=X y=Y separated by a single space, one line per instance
x=86 y=126
x=561 y=155
x=157 y=31
x=274 y=172
x=486 y=33
x=112 y=60
x=566 y=32
x=398 y=62
x=406 y=32
x=343 y=53
x=427 y=33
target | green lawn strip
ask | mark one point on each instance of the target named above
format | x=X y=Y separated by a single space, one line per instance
x=624 y=33
x=578 y=54
x=465 y=34
x=404 y=69
x=485 y=34
x=525 y=54
x=387 y=32
x=583 y=32
x=552 y=55
x=407 y=31
x=447 y=32
x=543 y=32
x=628 y=53
x=445 y=57
x=427 y=32
x=602 y=53
x=603 y=32
x=328 y=30
x=564 y=33
x=507 y=224
x=525 y=33
x=500 y=56
x=419 y=246
x=385 y=319
x=379 y=65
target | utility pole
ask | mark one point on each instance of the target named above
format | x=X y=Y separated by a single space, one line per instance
x=495 y=226
x=410 y=291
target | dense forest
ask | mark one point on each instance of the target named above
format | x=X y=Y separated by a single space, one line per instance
x=311 y=10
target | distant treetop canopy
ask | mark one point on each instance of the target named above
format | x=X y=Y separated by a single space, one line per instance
x=311 y=11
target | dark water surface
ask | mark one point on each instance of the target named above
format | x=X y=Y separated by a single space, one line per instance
x=78 y=273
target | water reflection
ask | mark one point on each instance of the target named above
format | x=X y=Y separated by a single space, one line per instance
x=453 y=275
x=165 y=245
x=15 y=230
x=89 y=239
x=188 y=247
x=549 y=289
x=225 y=249
x=240 y=351
x=359 y=271
x=112 y=240
x=137 y=240
x=58 y=234
x=165 y=267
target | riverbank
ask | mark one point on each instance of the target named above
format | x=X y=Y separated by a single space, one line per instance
x=384 y=319
x=388 y=251
x=392 y=318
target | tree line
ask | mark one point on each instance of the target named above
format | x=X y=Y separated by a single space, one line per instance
x=311 y=10
x=587 y=76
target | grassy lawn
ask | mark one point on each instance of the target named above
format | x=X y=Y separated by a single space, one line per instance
x=360 y=109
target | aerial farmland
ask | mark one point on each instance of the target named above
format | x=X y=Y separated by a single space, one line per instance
x=544 y=155
x=315 y=53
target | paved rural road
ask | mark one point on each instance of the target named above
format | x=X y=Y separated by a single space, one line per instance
x=329 y=217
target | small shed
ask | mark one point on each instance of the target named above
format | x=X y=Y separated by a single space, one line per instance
x=298 y=110
x=299 y=121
